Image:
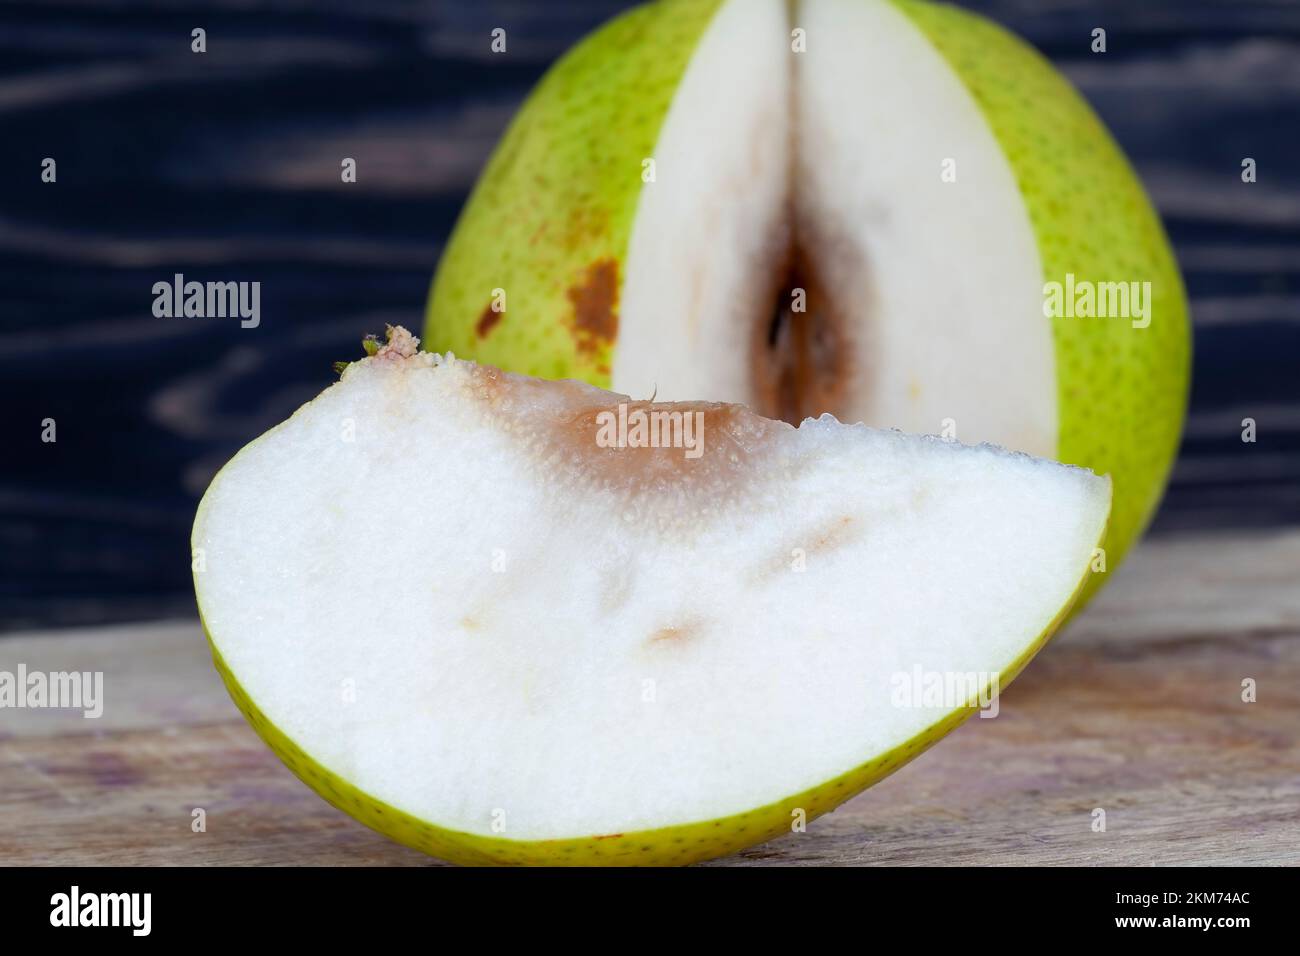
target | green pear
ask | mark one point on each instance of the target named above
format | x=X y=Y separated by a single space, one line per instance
x=507 y=620
x=892 y=211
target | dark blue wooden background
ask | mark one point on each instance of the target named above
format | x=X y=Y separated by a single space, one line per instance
x=225 y=166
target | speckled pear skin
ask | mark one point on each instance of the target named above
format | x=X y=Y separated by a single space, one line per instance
x=671 y=846
x=1121 y=391
x=551 y=217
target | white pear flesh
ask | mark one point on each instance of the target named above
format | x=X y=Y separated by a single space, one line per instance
x=437 y=584
x=923 y=274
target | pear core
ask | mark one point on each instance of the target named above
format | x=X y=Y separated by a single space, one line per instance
x=817 y=228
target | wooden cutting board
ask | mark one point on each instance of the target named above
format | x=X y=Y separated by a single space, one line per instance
x=1135 y=709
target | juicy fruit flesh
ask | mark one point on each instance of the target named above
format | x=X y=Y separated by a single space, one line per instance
x=476 y=615
x=918 y=299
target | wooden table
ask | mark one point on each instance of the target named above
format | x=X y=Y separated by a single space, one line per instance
x=1135 y=709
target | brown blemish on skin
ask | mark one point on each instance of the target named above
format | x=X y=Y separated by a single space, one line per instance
x=595 y=307
x=585 y=225
x=488 y=320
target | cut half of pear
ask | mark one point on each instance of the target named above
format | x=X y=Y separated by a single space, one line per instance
x=505 y=620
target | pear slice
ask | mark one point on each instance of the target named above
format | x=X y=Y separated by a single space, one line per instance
x=485 y=615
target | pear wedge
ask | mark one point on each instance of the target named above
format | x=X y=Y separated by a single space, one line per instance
x=504 y=620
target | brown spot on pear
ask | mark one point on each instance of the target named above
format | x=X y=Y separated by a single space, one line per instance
x=488 y=320
x=595 y=307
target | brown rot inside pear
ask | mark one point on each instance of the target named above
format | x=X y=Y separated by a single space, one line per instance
x=802 y=364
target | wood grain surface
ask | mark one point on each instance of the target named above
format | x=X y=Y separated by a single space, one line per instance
x=1135 y=709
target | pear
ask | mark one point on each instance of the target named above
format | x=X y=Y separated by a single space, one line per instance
x=504 y=620
x=894 y=212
